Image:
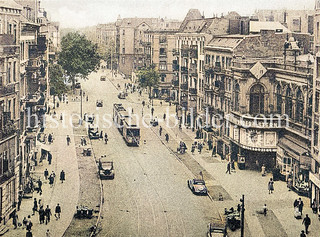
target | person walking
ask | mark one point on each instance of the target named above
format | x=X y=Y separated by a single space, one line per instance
x=46 y=173
x=57 y=211
x=265 y=209
x=300 y=206
x=24 y=222
x=193 y=147
x=48 y=234
x=160 y=131
x=39 y=186
x=41 y=215
x=51 y=180
x=164 y=116
x=228 y=168
x=48 y=214
x=167 y=137
x=68 y=140
x=106 y=138
x=49 y=158
x=270 y=186
x=307 y=222
x=35 y=206
x=152 y=110
x=15 y=219
x=62 y=176
x=19 y=200
x=29 y=224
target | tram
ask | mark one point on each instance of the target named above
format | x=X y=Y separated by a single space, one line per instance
x=126 y=125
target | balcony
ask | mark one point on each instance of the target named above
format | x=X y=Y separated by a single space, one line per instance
x=217 y=67
x=175 y=52
x=8 y=127
x=175 y=67
x=162 y=55
x=184 y=69
x=259 y=121
x=193 y=91
x=32 y=65
x=184 y=104
x=175 y=83
x=33 y=51
x=193 y=70
x=208 y=88
x=7 y=90
x=184 y=86
x=42 y=44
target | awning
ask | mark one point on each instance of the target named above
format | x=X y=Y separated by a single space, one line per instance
x=296 y=149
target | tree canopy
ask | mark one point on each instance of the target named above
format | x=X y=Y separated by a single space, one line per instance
x=78 y=56
x=148 y=77
x=57 y=85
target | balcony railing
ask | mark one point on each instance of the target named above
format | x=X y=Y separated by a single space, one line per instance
x=175 y=83
x=184 y=69
x=7 y=89
x=184 y=86
x=193 y=91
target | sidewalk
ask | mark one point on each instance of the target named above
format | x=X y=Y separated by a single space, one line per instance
x=66 y=194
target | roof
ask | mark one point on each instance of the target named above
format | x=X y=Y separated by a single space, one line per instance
x=10 y=4
x=257 y=26
x=197 y=25
x=228 y=42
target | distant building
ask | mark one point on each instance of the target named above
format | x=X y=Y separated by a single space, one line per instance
x=299 y=21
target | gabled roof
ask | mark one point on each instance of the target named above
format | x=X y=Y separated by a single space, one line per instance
x=10 y=4
x=227 y=42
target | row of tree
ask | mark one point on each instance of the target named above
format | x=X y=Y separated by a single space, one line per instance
x=79 y=57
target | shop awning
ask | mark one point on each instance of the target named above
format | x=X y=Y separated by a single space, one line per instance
x=297 y=150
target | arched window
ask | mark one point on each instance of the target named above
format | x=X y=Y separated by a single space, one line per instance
x=257 y=99
x=289 y=102
x=299 y=107
x=236 y=97
x=279 y=100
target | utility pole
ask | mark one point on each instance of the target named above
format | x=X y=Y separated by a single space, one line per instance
x=242 y=216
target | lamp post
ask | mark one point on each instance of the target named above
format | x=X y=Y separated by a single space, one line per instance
x=80 y=121
x=242 y=216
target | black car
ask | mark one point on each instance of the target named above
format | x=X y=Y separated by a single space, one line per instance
x=99 y=103
x=78 y=85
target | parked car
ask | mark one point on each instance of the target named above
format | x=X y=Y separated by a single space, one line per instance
x=99 y=103
x=106 y=170
x=102 y=78
x=89 y=118
x=122 y=95
x=93 y=132
x=78 y=85
x=198 y=186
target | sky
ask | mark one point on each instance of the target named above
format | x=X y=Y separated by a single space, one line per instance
x=81 y=13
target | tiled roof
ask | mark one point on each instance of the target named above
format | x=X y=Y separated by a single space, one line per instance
x=10 y=4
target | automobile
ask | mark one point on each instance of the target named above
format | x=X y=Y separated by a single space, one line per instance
x=93 y=132
x=106 y=170
x=102 y=78
x=89 y=118
x=99 y=103
x=217 y=228
x=78 y=85
x=122 y=95
x=198 y=186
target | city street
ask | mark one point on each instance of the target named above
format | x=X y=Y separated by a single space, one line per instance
x=149 y=195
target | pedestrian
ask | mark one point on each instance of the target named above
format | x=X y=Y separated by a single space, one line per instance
x=51 y=180
x=61 y=117
x=193 y=147
x=214 y=151
x=48 y=214
x=24 y=222
x=232 y=165
x=68 y=140
x=228 y=168
x=265 y=209
x=302 y=234
x=35 y=206
x=81 y=141
x=48 y=234
x=164 y=116
x=39 y=186
x=87 y=98
x=314 y=206
x=49 y=138
x=152 y=110
x=200 y=146
x=101 y=134
x=270 y=186
x=62 y=176
x=300 y=206
x=106 y=138
x=307 y=222
x=160 y=131
x=132 y=111
x=29 y=233
x=57 y=211
x=19 y=200
x=46 y=173
x=167 y=137
x=41 y=215
x=49 y=158
x=15 y=219
x=29 y=224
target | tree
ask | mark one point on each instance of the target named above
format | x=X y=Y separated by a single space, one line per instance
x=78 y=56
x=57 y=85
x=148 y=77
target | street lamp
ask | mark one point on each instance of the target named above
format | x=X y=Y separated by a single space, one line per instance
x=80 y=120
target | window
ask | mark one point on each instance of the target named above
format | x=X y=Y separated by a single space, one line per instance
x=257 y=99
x=289 y=102
x=123 y=60
x=236 y=97
x=316 y=106
x=123 y=50
x=14 y=71
x=299 y=107
x=279 y=100
x=9 y=73
x=163 y=65
x=316 y=134
x=123 y=32
x=163 y=52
